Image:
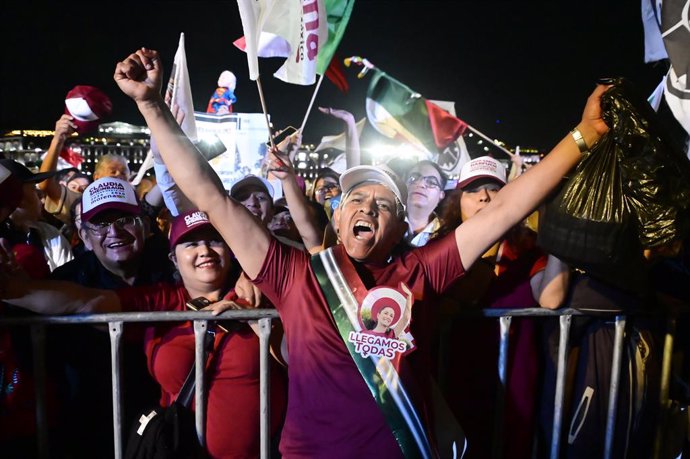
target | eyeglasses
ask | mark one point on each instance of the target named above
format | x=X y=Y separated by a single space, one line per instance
x=326 y=187
x=429 y=180
x=101 y=228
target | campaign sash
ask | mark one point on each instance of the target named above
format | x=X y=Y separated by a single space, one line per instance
x=376 y=355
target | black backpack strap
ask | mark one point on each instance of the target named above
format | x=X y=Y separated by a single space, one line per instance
x=184 y=397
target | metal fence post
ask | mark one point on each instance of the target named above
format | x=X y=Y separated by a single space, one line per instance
x=613 y=389
x=38 y=342
x=664 y=404
x=504 y=334
x=115 y=330
x=264 y=376
x=200 y=327
x=564 y=322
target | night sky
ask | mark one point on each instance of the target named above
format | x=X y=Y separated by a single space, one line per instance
x=519 y=71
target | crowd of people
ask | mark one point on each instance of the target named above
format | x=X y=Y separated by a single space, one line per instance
x=370 y=271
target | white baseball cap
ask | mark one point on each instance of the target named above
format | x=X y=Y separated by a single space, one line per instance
x=358 y=175
x=484 y=167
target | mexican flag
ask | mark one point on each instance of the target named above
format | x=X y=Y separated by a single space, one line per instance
x=397 y=111
x=337 y=15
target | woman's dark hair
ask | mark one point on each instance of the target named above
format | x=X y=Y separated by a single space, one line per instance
x=73 y=209
x=449 y=213
x=78 y=175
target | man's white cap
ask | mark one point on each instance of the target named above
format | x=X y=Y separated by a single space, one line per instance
x=359 y=175
x=484 y=167
x=253 y=181
x=108 y=193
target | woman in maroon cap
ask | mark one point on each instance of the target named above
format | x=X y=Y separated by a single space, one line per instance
x=206 y=269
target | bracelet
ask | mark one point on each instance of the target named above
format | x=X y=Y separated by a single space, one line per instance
x=579 y=140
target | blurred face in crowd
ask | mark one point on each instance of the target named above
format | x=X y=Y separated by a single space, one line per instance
x=78 y=184
x=424 y=187
x=203 y=259
x=66 y=177
x=29 y=208
x=258 y=202
x=112 y=168
x=477 y=196
x=116 y=238
x=326 y=188
x=367 y=223
x=282 y=225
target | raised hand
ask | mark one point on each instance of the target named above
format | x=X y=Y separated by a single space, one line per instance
x=591 y=115
x=64 y=127
x=140 y=75
x=337 y=113
x=221 y=306
x=279 y=164
x=247 y=291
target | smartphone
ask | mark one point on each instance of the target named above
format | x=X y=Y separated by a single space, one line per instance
x=282 y=135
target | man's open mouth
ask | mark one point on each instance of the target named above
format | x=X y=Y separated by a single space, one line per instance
x=363 y=230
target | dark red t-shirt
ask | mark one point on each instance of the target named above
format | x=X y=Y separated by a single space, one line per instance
x=232 y=410
x=331 y=412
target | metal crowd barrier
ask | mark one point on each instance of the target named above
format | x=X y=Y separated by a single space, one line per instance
x=264 y=317
x=115 y=323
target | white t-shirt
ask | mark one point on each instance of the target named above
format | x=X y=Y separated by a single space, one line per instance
x=56 y=248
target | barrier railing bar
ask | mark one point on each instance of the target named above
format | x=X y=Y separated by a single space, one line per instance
x=200 y=327
x=613 y=389
x=264 y=372
x=38 y=342
x=265 y=316
x=163 y=316
x=115 y=330
x=564 y=325
x=504 y=334
x=665 y=386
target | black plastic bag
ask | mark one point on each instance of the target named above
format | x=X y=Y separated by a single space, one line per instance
x=630 y=192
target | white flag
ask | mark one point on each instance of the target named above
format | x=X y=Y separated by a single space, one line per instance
x=177 y=94
x=253 y=14
x=179 y=91
x=288 y=28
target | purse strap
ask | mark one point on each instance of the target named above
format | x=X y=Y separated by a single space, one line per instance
x=184 y=397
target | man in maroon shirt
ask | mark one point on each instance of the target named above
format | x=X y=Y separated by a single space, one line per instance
x=331 y=410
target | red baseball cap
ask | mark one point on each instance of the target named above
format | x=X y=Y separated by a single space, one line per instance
x=186 y=223
x=87 y=105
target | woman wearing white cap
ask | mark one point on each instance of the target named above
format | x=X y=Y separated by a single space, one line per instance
x=511 y=274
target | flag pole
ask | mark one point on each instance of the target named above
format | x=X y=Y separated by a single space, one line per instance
x=482 y=135
x=311 y=104
x=263 y=107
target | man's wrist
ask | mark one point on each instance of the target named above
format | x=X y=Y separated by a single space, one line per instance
x=150 y=105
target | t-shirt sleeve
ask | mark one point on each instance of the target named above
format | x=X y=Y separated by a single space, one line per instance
x=539 y=264
x=441 y=261
x=149 y=298
x=284 y=268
